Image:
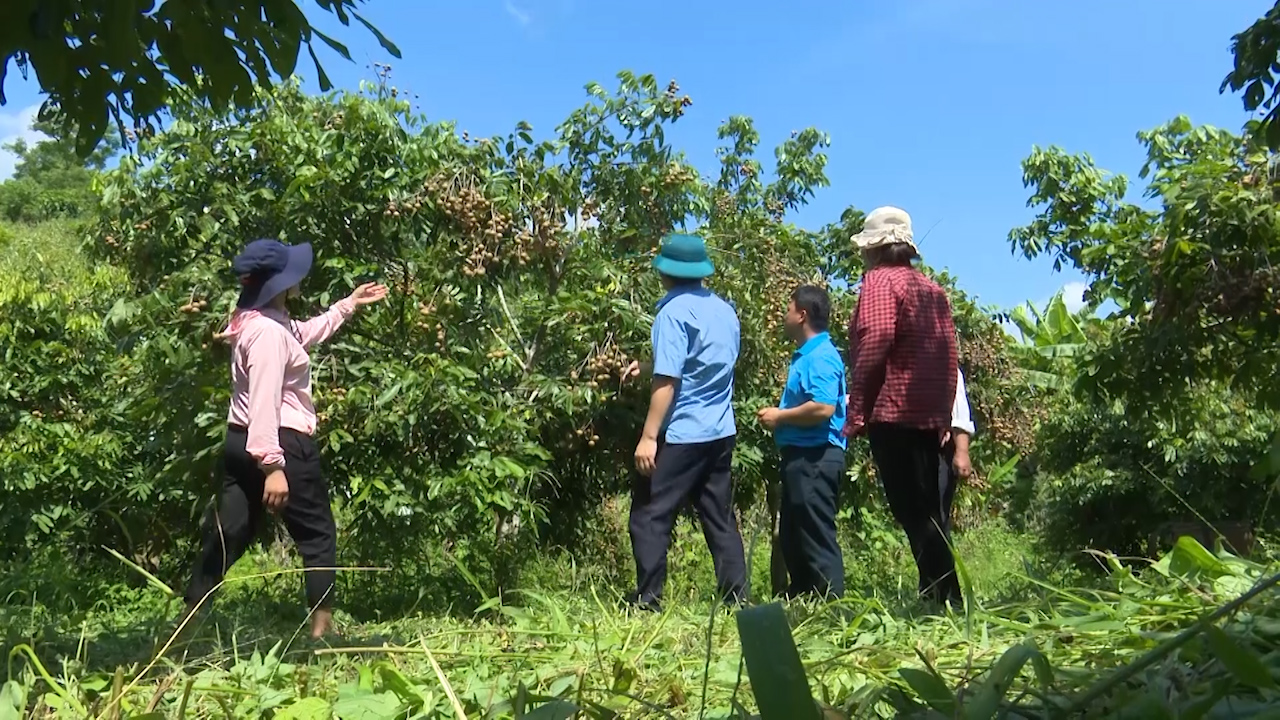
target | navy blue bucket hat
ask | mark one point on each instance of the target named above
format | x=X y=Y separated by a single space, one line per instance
x=268 y=268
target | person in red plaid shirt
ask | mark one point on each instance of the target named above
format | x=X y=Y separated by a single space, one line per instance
x=903 y=357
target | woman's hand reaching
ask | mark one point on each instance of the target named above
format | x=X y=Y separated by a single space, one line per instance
x=368 y=293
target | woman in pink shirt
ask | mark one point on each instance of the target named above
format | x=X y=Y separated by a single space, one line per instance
x=271 y=460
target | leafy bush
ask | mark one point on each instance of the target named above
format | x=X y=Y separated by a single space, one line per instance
x=27 y=201
x=488 y=389
x=1104 y=479
x=67 y=448
x=478 y=418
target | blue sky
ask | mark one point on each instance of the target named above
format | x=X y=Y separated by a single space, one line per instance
x=931 y=104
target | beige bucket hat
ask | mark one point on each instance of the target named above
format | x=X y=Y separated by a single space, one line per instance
x=885 y=226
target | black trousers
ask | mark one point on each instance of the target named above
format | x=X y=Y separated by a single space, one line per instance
x=908 y=461
x=230 y=530
x=811 y=479
x=697 y=473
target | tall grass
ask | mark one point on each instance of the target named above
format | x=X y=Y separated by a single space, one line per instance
x=1165 y=639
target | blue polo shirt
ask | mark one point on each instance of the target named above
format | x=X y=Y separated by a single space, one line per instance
x=695 y=340
x=817 y=374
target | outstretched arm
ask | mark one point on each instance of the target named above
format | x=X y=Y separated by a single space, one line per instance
x=323 y=326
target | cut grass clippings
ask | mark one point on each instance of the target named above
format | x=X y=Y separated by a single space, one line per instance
x=1152 y=643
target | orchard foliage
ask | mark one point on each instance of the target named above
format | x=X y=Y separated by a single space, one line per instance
x=1256 y=51
x=50 y=180
x=1162 y=411
x=487 y=392
x=1194 y=277
x=105 y=61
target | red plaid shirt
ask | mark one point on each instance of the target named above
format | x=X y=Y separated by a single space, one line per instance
x=902 y=351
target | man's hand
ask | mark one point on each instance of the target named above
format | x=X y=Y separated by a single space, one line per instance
x=961 y=465
x=635 y=370
x=275 y=492
x=768 y=417
x=646 y=456
x=855 y=428
x=368 y=293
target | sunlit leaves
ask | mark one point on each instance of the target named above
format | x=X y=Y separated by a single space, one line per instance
x=111 y=61
x=1193 y=278
x=1256 y=51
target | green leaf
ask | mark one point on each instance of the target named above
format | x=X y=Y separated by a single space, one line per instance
x=321 y=75
x=986 y=701
x=382 y=39
x=396 y=682
x=337 y=46
x=388 y=395
x=1244 y=663
x=931 y=689
x=552 y=710
x=13 y=700
x=380 y=706
x=311 y=708
x=773 y=664
x=1190 y=559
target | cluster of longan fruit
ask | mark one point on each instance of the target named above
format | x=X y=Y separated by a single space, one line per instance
x=672 y=90
x=337 y=121
x=676 y=174
x=775 y=208
x=606 y=364
x=396 y=209
x=194 y=306
x=591 y=439
x=474 y=216
x=142 y=131
x=724 y=203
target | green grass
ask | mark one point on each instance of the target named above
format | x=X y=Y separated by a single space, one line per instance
x=43 y=246
x=874 y=654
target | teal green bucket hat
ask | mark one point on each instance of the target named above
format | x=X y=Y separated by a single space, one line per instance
x=683 y=256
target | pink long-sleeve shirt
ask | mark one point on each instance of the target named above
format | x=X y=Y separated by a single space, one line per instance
x=271 y=374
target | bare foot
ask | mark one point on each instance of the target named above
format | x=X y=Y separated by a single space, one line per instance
x=321 y=622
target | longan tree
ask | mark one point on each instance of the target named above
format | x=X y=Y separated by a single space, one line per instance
x=102 y=61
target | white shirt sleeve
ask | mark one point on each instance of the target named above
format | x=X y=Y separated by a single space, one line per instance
x=961 y=417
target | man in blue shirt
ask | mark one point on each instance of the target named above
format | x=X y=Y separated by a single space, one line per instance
x=808 y=427
x=686 y=449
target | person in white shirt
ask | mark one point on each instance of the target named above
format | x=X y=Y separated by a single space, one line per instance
x=955 y=465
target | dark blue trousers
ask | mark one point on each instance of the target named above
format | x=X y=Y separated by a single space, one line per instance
x=811 y=479
x=697 y=473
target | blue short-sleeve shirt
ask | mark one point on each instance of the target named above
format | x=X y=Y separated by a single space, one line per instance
x=695 y=340
x=817 y=374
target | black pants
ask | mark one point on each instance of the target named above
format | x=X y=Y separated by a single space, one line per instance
x=807 y=517
x=699 y=473
x=307 y=516
x=907 y=460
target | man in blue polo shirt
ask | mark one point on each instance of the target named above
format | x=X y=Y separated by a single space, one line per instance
x=686 y=448
x=808 y=427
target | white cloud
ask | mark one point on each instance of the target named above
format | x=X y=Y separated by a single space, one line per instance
x=16 y=126
x=1073 y=296
x=521 y=16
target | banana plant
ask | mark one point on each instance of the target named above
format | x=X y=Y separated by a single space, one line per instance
x=1051 y=339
